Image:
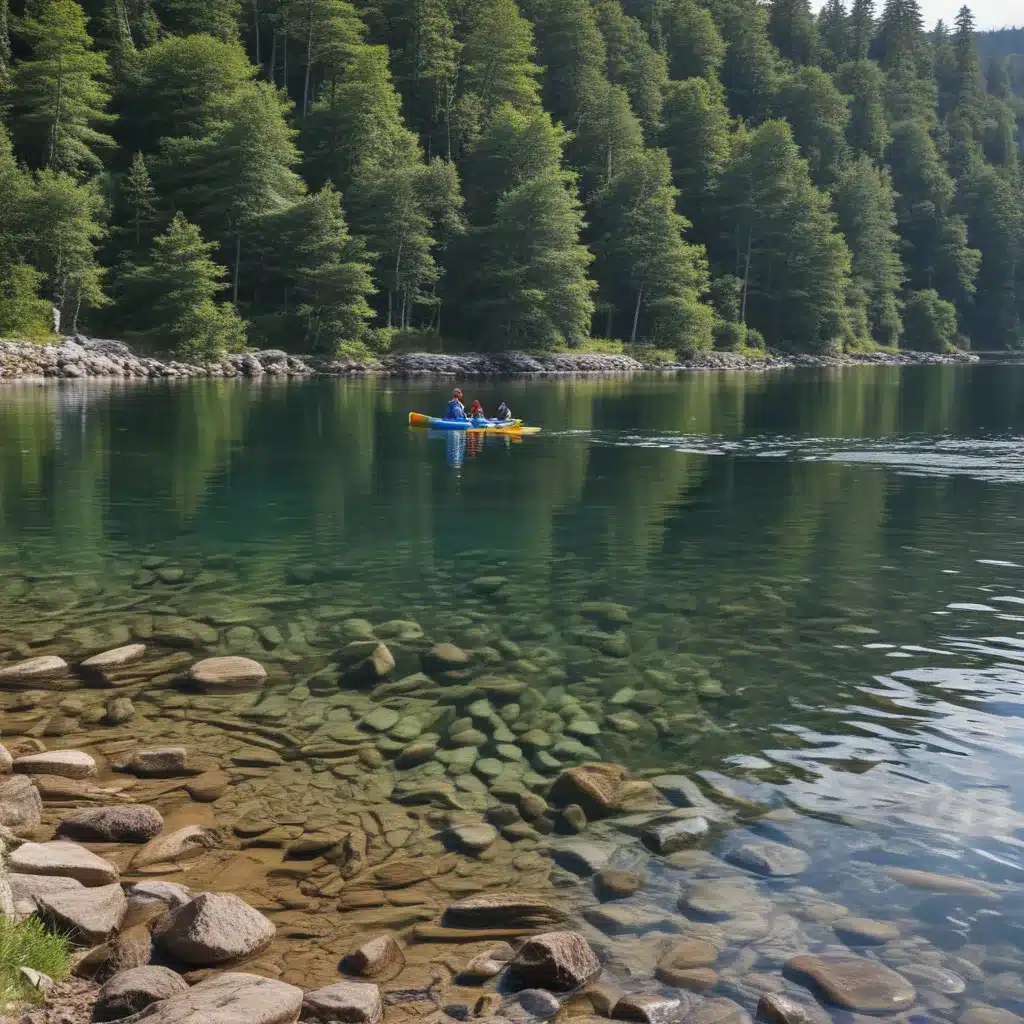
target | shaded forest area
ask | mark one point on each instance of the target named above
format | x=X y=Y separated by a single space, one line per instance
x=325 y=176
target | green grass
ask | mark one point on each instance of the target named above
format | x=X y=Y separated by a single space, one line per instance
x=28 y=944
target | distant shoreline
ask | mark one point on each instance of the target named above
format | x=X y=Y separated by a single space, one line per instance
x=81 y=357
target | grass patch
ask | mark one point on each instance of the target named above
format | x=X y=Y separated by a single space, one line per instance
x=28 y=944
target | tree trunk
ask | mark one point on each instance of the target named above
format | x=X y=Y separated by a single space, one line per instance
x=746 y=276
x=636 y=315
x=238 y=263
x=57 y=113
x=309 y=64
x=273 y=60
x=284 y=71
x=256 y=27
x=608 y=325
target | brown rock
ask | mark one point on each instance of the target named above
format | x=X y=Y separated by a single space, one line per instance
x=377 y=665
x=862 y=931
x=501 y=909
x=118 y=711
x=856 y=983
x=133 y=990
x=208 y=787
x=689 y=953
x=375 y=957
x=593 y=786
x=68 y=860
x=555 y=960
x=488 y=964
x=697 y=979
x=718 y=1011
x=228 y=673
x=70 y=764
x=445 y=657
x=650 y=1009
x=134 y=823
x=21 y=806
x=230 y=999
x=399 y=874
x=161 y=762
x=116 y=658
x=214 y=928
x=32 y=671
x=611 y=884
x=132 y=948
x=942 y=883
x=180 y=844
x=783 y=1010
x=345 y=1002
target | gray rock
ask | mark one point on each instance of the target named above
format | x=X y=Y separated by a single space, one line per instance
x=938 y=979
x=583 y=857
x=502 y=910
x=117 y=658
x=227 y=674
x=171 y=894
x=133 y=990
x=766 y=857
x=69 y=764
x=39 y=981
x=531 y=1004
x=181 y=844
x=6 y=761
x=345 y=1002
x=33 y=671
x=88 y=915
x=650 y=1009
x=682 y=791
x=65 y=859
x=134 y=823
x=855 y=983
x=214 y=928
x=160 y=762
x=119 y=710
x=488 y=964
x=375 y=957
x=669 y=836
x=229 y=999
x=21 y=806
x=473 y=838
x=555 y=960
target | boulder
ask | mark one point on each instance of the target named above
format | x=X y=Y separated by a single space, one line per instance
x=445 y=658
x=230 y=999
x=375 y=957
x=593 y=786
x=133 y=823
x=133 y=990
x=378 y=664
x=227 y=674
x=555 y=960
x=181 y=844
x=650 y=1009
x=69 y=764
x=765 y=857
x=783 y=1010
x=25 y=889
x=347 y=1002
x=214 y=928
x=63 y=858
x=33 y=671
x=502 y=910
x=855 y=983
x=161 y=762
x=117 y=658
x=88 y=915
x=171 y=894
x=21 y=806
x=131 y=948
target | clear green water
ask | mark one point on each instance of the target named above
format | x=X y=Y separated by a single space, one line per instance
x=823 y=570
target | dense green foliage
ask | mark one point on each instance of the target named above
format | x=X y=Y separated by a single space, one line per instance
x=316 y=174
x=28 y=943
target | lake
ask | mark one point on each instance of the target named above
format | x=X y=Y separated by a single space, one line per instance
x=804 y=588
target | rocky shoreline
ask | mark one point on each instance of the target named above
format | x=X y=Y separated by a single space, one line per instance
x=80 y=357
x=411 y=834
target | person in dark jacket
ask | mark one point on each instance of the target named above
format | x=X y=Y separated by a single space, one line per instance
x=456 y=410
x=504 y=413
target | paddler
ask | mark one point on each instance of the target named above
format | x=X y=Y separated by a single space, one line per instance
x=476 y=411
x=504 y=414
x=456 y=410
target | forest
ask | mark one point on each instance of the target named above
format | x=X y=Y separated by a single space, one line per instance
x=335 y=177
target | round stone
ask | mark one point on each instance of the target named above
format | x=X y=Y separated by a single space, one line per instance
x=474 y=838
x=228 y=673
x=862 y=931
x=856 y=983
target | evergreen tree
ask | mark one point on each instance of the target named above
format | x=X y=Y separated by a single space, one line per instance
x=818 y=114
x=861 y=29
x=834 y=33
x=61 y=227
x=315 y=278
x=650 y=278
x=607 y=136
x=865 y=205
x=633 y=63
x=524 y=281
x=749 y=68
x=930 y=322
x=794 y=265
x=997 y=78
x=328 y=32
x=5 y=43
x=59 y=95
x=497 y=59
x=139 y=197
x=867 y=130
x=900 y=34
x=696 y=136
x=171 y=296
x=692 y=41
x=217 y=18
x=965 y=122
x=791 y=27
x=226 y=181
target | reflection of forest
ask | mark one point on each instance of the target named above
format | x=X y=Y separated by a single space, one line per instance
x=312 y=465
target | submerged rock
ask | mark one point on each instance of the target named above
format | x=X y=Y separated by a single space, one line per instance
x=856 y=983
x=33 y=671
x=669 y=836
x=231 y=672
x=555 y=960
x=766 y=857
x=181 y=844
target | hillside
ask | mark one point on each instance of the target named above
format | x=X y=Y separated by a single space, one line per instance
x=322 y=176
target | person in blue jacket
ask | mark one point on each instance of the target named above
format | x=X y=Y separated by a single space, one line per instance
x=456 y=410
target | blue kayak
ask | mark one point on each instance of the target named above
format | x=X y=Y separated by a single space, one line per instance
x=437 y=423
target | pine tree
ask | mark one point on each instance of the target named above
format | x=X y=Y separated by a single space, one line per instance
x=930 y=322
x=997 y=78
x=900 y=34
x=608 y=135
x=5 y=43
x=867 y=130
x=328 y=31
x=633 y=63
x=217 y=18
x=818 y=114
x=497 y=58
x=139 y=196
x=650 y=278
x=693 y=44
x=59 y=96
x=524 y=272
x=226 y=181
x=865 y=205
x=171 y=296
x=794 y=265
x=834 y=33
x=696 y=136
x=749 y=70
x=861 y=29
x=791 y=27
x=965 y=122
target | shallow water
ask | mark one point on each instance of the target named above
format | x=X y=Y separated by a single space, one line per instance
x=821 y=575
